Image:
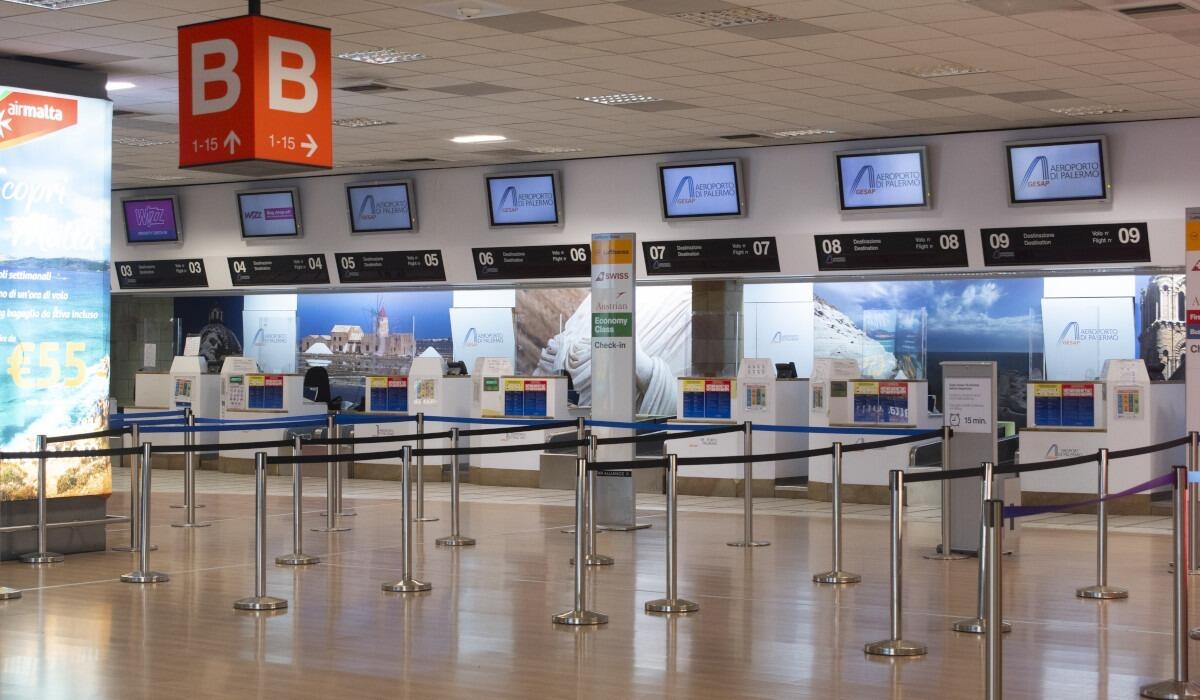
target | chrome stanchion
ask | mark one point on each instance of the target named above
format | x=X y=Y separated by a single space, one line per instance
x=43 y=555
x=332 y=472
x=297 y=557
x=1193 y=464
x=836 y=575
x=579 y=614
x=143 y=574
x=1179 y=686
x=593 y=556
x=135 y=490
x=1102 y=590
x=748 y=492
x=672 y=603
x=455 y=538
x=896 y=644
x=343 y=473
x=993 y=667
x=260 y=600
x=945 y=551
x=420 y=516
x=978 y=624
x=406 y=584
x=189 y=476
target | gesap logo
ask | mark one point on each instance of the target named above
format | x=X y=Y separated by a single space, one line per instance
x=1073 y=334
x=1056 y=452
x=867 y=181
x=1041 y=164
x=370 y=210
x=865 y=172
x=474 y=338
x=512 y=201
x=25 y=116
x=781 y=337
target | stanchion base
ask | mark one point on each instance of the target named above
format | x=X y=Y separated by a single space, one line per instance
x=620 y=528
x=976 y=625
x=751 y=543
x=408 y=585
x=1171 y=690
x=945 y=554
x=184 y=505
x=190 y=525
x=580 y=617
x=144 y=577
x=7 y=593
x=1195 y=633
x=671 y=605
x=342 y=514
x=256 y=603
x=836 y=577
x=330 y=529
x=895 y=647
x=455 y=541
x=127 y=548
x=597 y=560
x=43 y=558
x=297 y=559
x=1102 y=592
x=424 y=519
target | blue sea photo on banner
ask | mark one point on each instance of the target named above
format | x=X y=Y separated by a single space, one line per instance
x=55 y=206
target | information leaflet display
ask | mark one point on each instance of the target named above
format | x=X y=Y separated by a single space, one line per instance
x=880 y=402
x=391 y=266
x=389 y=393
x=283 y=270
x=264 y=391
x=1064 y=405
x=713 y=256
x=891 y=251
x=532 y=262
x=1066 y=245
x=161 y=274
x=708 y=399
x=524 y=398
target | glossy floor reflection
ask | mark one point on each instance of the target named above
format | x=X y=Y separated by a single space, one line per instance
x=764 y=629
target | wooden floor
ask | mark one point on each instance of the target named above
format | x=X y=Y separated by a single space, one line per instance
x=764 y=629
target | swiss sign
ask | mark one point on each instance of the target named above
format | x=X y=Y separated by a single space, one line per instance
x=254 y=96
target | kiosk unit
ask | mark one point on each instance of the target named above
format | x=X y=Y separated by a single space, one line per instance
x=1124 y=410
x=193 y=387
x=247 y=394
x=432 y=392
x=386 y=397
x=535 y=398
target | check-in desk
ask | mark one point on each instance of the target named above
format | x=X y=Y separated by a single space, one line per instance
x=255 y=396
x=385 y=397
x=1122 y=410
x=521 y=398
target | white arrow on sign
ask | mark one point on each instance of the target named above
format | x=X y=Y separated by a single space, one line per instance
x=232 y=141
x=311 y=145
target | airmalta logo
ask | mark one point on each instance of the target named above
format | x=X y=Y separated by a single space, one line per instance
x=24 y=116
x=1041 y=166
x=866 y=172
x=691 y=191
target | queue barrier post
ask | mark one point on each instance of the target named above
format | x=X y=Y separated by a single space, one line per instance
x=143 y=573
x=43 y=555
x=993 y=667
x=189 y=477
x=332 y=473
x=945 y=551
x=1102 y=591
x=836 y=575
x=260 y=601
x=1193 y=491
x=420 y=516
x=748 y=492
x=343 y=473
x=406 y=584
x=135 y=494
x=593 y=556
x=455 y=538
x=978 y=624
x=579 y=613
x=297 y=557
x=672 y=603
x=896 y=644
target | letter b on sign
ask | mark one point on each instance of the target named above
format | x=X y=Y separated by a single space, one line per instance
x=254 y=96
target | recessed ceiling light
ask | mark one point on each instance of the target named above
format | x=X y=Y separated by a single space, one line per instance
x=382 y=57
x=360 y=122
x=731 y=17
x=56 y=4
x=620 y=98
x=479 y=138
x=553 y=149
x=940 y=70
x=113 y=85
x=1088 y=110
x=796 y=133
x=141 y=142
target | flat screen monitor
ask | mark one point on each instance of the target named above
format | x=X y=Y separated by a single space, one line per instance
x=883 y=179
x=1041 y=172
x=269 y=213
x=151 y=219
x=785 y=370
x=524 y=200
x=701 y=190
x=456 y=368
x=381 y=207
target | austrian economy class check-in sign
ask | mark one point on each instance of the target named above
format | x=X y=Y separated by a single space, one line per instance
x=55 y=204
x=254 y=96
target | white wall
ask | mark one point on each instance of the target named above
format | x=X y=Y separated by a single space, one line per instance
x=791 y=192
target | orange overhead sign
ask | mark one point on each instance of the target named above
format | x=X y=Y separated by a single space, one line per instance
x=254 y=96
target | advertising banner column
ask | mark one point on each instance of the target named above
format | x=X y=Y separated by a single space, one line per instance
x=613 y=368
x=1192 y=287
